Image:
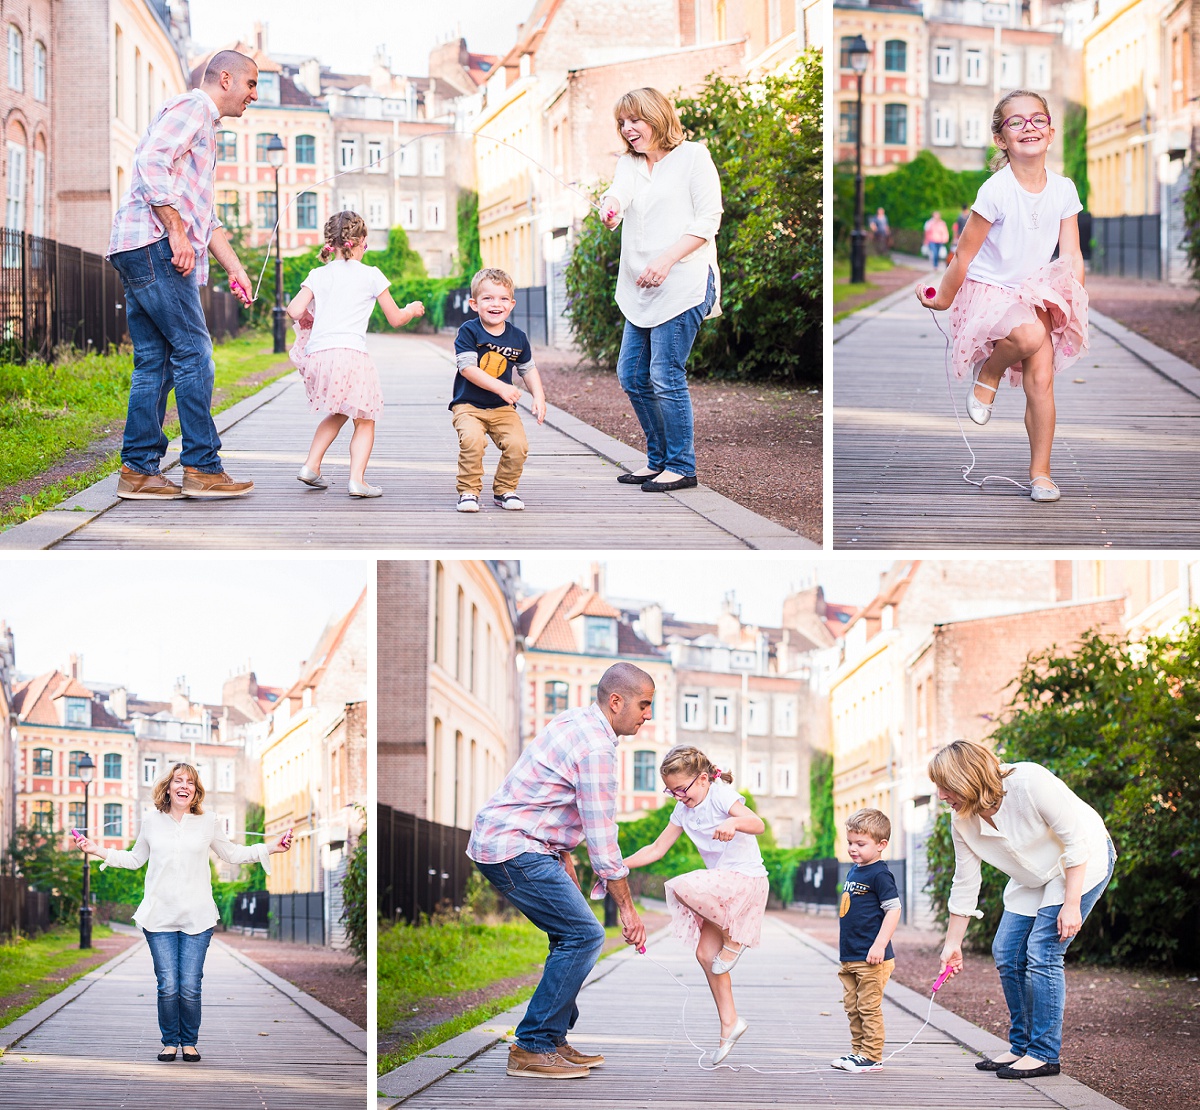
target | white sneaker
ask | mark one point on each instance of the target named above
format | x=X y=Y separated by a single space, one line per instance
x=468 y=503
x=509 y=501
x=857 y=1063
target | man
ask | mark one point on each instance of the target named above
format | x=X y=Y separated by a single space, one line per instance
x=160 y=241
x=562 y=792
x=881 y=230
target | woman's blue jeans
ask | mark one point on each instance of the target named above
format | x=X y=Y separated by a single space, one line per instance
x=1029 y=957
x=539 y=887
x=652 y=369
x=171 y=348
x=179 y=967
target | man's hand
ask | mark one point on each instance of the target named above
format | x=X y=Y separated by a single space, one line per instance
x=239 y=285
x=183 y=256
x=568 y=862
x=632 y=928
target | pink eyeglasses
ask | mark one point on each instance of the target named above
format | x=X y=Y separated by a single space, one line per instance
x=1040 y=120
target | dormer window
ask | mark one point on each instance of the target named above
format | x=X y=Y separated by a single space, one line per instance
x=268 y=88
x=600 y=635
x=77 y=711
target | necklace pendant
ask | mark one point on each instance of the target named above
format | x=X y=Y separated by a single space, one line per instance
x=1034 y=217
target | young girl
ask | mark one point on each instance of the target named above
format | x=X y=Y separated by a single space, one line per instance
x=719 y=910
x=1014 y=311
x=331 y=349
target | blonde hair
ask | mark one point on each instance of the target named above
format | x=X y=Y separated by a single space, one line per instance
x=494 y=275
x=162 y=789
x=1000 y=159
x=683 y=759
x=343 y=230
x=870 y=822
x=972 y=772
x=650 y=105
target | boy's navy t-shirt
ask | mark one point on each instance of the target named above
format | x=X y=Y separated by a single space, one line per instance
x=493 y=354
x=867 y=894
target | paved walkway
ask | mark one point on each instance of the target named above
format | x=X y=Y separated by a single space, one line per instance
x=1126 y=454
x=569 y=486
x=788 y=991
x=265 y=1045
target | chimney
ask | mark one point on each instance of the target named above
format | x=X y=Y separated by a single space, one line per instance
x=596 y=576
x=118 y=703
x=75 y=668
x=652 y=624
x=181 y=702
x=260 y=37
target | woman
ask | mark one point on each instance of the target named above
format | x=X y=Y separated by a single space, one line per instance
x=937 y=235
x=178 y=913
x=1025 y=821
x=668 y=194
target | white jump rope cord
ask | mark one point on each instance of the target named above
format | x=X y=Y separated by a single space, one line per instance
x=966 y=470
x=749 y=1067
x=393 y=153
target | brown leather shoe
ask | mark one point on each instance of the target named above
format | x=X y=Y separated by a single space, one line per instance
x=133 y=485
x=199 y=483
x=574 y=1056
x=542 y=1065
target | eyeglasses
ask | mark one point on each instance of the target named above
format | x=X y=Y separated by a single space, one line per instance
x=1017 y=123
x=681 y=792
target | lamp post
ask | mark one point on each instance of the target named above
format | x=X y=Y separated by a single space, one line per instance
x=275 y=155
x=86 y=767
x=860 y=55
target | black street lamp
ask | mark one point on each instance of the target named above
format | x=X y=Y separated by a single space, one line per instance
x=275 y=155
x=860 y=55
x=86 y=767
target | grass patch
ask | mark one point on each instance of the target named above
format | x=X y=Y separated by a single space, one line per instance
x=876 y=264
x=25 y=962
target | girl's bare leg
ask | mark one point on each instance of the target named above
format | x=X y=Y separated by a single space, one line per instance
x=360 y=449
x=323 y=437
x=721 y=986
x=1037 y=379
x=1023 y=341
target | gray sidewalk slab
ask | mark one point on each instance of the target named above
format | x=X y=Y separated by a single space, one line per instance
x=1126 y=452
x=788 y=991
x=262 y=1046
x=569 y=486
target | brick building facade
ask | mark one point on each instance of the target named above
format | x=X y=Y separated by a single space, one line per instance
x=27 y=96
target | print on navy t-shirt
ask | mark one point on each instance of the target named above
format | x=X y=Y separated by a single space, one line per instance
x=861 y=911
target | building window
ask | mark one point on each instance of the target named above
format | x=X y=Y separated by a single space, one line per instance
x=758 y=717
x=266 y=210
x=848 y=122
x=149 y=770
x=785 y=779
x=785 y=716
x=79 y=711
x=268 y=88
x=600 y=635
x=1010 y=71
x=643 y=771
x=692 y=711
x=943 y=127
x=16 y=70
x=377 y=213
x=226 y=775
x=227 y=146
x=73 y=763
x=434 y=157
x=306 y=211
x=756 y=777
x=77 y=817
x=844 y=51
x=435 y=214
x=593 y=691
x=261 y=142
x=227 y=208
x=408 y=213
x=895 y=124
x=410 y=164
x=1038 y=69
x=39 y=71
x=943 y=63
x=895 y=56
x=306 y=150
x=39 y=192
x=556 y=697
x=14 y=205
x=118 y=53
x=348 y=149
x=112 y=819
x=973 y=73
x=375 y=163
x=975 y=130
x=722 y=713
x=43 y=817
x=112 y=765
x=43 y=761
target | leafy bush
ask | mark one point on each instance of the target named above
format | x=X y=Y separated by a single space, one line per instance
x=49 y=869
x=354 y=894
x=823 y=832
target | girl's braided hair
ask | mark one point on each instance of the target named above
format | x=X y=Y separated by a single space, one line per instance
x=343 y=230
x=683 y=759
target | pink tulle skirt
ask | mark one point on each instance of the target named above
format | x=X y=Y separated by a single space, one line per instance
x=340 y=380
x=982 y=314
x=734 y=901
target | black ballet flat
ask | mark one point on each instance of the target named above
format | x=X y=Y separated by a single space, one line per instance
x=1006 y=1072
x=992 y=1065
x=688 y=481
x=632 y=479
x=167 y=1057
x=194 y=1058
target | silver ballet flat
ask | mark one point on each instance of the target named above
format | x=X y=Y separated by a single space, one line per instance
x=311 y=478
x=1043 y=493
x=363 y=489
x=725 y=1045
x=978 y=411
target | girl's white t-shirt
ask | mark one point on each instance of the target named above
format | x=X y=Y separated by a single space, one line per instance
x=740 y=854
x=1024 y=229
x=344 y=292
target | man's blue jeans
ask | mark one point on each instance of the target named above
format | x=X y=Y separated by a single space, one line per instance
x=1029 y=957
x=179 y=967
x=171 y=347
x=539 y=887
x=652 y=369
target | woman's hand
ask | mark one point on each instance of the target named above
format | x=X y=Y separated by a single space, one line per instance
x=726 y=829
x=283 y=844
x=937 y=302
x=952 y=957
x=656 y=273
x=86 y=846
x=1070 y=921
x=610 y=214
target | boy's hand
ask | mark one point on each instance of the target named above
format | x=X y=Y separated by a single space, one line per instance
x=877 y=954
x=726 y=829
x=509 y=393
x=415 y=307
x=539 y=408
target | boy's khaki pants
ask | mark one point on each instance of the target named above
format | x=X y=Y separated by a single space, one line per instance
x=862 y=995
x=474 y=426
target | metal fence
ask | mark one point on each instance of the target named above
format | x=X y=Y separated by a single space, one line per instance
x=422 y=865
x=817 y=882
x=251 y=910
x=299 y=918
x=22 y=910
x=1127 y=246
x=530 y=315
x=899 y=870
x=53 y=295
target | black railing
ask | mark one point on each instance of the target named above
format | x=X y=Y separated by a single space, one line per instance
x=53 y=295
x=422 y=866
x=1127 y=246
x=251 y=910
x=817 y=882
x=22 y=910
x=298 y=918
x=529 y=315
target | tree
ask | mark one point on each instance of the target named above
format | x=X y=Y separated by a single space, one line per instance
x=354 y=894
x=49 y=869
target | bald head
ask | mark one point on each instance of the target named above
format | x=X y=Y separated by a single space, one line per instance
x=624 y=679
x=231 y=79
x=228 y=61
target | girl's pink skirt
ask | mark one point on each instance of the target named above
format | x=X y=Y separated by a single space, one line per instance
x=982 y=314
x=340 y=380
x=733 y=901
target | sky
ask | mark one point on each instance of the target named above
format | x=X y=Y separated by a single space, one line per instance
x=344 y=34
x=693 y=588
x=145 y=622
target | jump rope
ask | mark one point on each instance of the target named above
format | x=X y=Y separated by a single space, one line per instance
x=700 y=1062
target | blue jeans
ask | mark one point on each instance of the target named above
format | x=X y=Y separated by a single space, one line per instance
x=935 y=253
x=171 y=348
x=1029 y=957
x=179 y=967
x=652 y=369
x=539 y=887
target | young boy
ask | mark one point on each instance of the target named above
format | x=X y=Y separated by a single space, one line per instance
x=484 y=401
x=870 y=912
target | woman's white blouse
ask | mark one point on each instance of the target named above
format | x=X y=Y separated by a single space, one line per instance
x=178 y=895
x=1042 y=828
x=682 y=196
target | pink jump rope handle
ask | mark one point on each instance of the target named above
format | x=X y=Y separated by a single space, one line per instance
x=642 y=949
x=930 y=292
x=941 y=979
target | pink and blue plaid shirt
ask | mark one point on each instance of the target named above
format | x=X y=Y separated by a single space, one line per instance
x=174 y=166
x=561 y=792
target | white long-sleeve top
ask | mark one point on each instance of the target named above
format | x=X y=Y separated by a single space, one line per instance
x=681 y=196
x=1041 y=828
x=178 y=894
